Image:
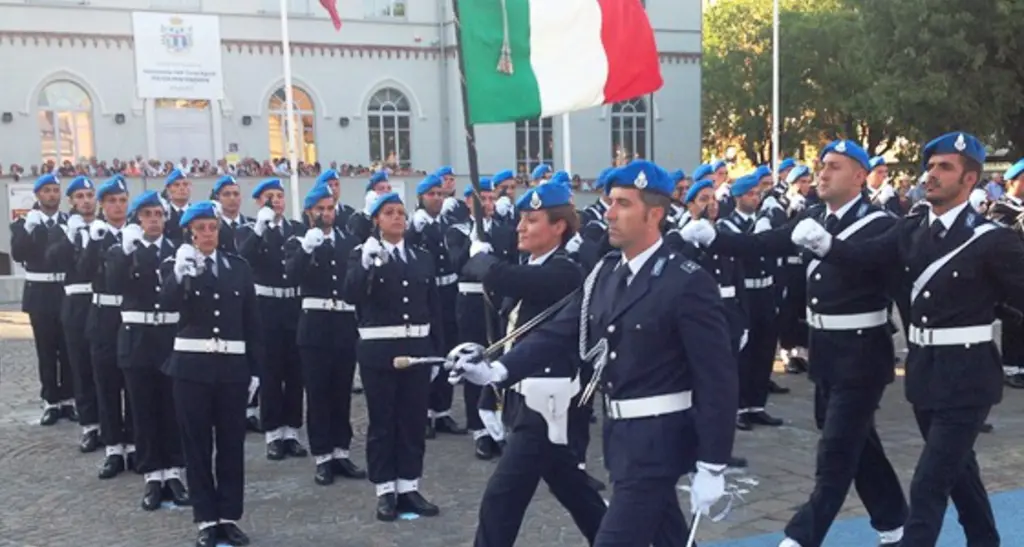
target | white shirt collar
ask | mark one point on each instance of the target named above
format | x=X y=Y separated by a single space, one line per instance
x=55 y=217
x=542 y=258
x=639 y=260
x=842 y=210
x=236 y=220
x=745 y=216
x=390 y=247
x=949 y=217
x=158 y=242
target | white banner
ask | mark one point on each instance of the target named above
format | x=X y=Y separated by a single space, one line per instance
x=20 y=199
x=177 y=56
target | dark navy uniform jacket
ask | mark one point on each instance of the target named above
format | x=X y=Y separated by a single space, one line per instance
x=229 y=231
x=432 y=240
x=265 y=255
x=947 y=282
x=219 y=307
x=359 y=225
x=890 y=204
x=343 y=212
x=594 y=211
x=172 y=229
x=841 y=357
x=758 y=269
x=667 y=334
x=594 y=245
x=138 y=275
x=104 y=317
x=470 y=306
x=30 y=250
x=63 y=255
x=321 y=277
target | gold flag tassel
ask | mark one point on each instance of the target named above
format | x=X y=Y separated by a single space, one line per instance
x=505 y=59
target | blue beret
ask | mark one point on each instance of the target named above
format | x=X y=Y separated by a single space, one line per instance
x=602 y=177
x=797 y=172
x=221 y=183
x=677 y=176
x=762 y=172
x=112 y=186
x=643 y=175
x=703 y=171
x=432 y=181
x=876 y=162
x=379 y=176
x=79 y=183
x=174 y=175
x=502 y=176
x=715 y=166
x=383 y=199
x=1015 y=170
x=315 y=194
x=744 y=184
x=849 y=149
x=544 y=196
x=964 y=144
x=327 y=176
x=202 y=209
x=269 y=184
x=148 y=198
x=701 y=184
x=787 y=163
x=540 y=171
x=560 y=177
x=485 y=186
x=48 y=178
x=444 y=172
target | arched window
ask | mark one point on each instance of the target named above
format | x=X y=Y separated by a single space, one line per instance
x=65 y=122
x=278 y=126
x=535 y=144
x=629 y=131
x=389 y=118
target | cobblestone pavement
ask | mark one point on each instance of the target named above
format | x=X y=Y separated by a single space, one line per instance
x=51 y=496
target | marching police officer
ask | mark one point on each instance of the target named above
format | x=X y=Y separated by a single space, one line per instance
x=102 y=326
x=399 y=314
x=880 y=192
x=428 y=230
x=177 y=193
x=281 y=391
x=145 y=341
x=680 y=185
x=1008 y=210
x=595 y=211
x=504 y=184
x=793 y=333
x=326 y=334
x=663 y=359
x=41 y=298
x=342 y=211
x=541 y=174
x=218 y=340
x=227 y=198
x=360 y=224
x=954 y=268
x=63 y=254
x=539 y=446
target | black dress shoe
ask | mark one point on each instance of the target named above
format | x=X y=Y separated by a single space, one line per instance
x=776 y=389
x=113 y=466
x=50 y=416
x=252 y=425
x=414 y=502
x=447 y=424
x=763 y=418
x=324 y=474
x=986 y=428
x=796 y=365
x=175 y=491
x=207 y=537
x=387 y=507
x=152 y=496
x=484 y=448
x=736 y=462
x=293 y=448
x=430 y=433
x=129 y=461
x=275 y=450
x=90 y=442
x=743 y=422
x=347 y=468
x=69 y=413
x=232 y=534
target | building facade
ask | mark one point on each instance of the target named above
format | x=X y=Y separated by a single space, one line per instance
x=383 y=89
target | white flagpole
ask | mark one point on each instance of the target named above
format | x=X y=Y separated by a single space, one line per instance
x=566 y=144
x=775 y=93
x=291 y=127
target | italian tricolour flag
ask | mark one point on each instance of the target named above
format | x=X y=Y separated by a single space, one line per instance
x=530 y=58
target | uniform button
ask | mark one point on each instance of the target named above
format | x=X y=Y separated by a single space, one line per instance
x=405 y=299
x=859 y=332
x=956 y=273
x=967 y=346
x=216 y=330
x=924 y=318
x=197 y=293
x=405 y=283
x=609 y=385
x=405 y=316
x=714 y=257
x=157 y=288
x=611 y=329
x=927 y=294
x=906 y=268
x=334 y=277
x=817 y=276
x=333 y=263
x=282 y=262
x=814 y=300
x=216 y=296
x=216 y=313
x=613 y=355
x=718 y=272
x=284 y=276
x=547 y=370
x=334 y=293
x=441 y=256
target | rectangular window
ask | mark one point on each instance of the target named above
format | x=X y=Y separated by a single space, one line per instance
x=385 y=8
x=535 y=144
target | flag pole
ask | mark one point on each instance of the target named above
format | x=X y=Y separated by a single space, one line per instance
x=290 y=125
x=775 y=93
x=566 y=144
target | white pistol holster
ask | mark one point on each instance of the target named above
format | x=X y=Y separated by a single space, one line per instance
x=550 y=397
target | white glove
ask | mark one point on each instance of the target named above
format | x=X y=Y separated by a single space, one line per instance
x=744 y=338
x=762 y=225
x=478 y=247
x=264 y=218
x=130 y=237
x=372 y=249
x=797 y=202
x=98 y=230
x=186 y=253
x=314 y=238
x=218 y=209
x=886 y=193
x=75 y=223
x=32 y=219
x=770 y=203
x=254 y=384
x=808 y=233
x=707 y=487
x=700 y=232
x=574 y=244
x=420 y=219
x=503 y=206
x=466 y=361
x=977 y=199
x=449 y=205
x=368 y=200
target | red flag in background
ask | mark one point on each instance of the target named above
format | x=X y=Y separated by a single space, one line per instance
x=332 y=8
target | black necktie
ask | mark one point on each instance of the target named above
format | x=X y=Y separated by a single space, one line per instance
x=209 y=266
x=49 y=223
x=831 y=221
x=621 y=280
x=233 y=224
x=396 y=255
x=938 y=230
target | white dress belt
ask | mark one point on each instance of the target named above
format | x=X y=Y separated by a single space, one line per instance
x=645 y=407
x=107 y=300
x=951 y=336
x=759 y=282
x=326 y=304
x=44 y=277
x=445 y=280
x=727 y=292
x=275 y=292
x=210 y=345
x=850 y=321
x=394 y=332
x=471 y=288
x=150 y=317
x=78 y=288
